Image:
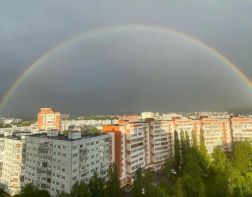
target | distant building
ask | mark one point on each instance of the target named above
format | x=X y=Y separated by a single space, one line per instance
x=55 y=162
x=49 y=120
x=145 y=115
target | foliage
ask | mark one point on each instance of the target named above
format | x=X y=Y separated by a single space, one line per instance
x=30 y=190
x=97 y=186
x=2 y=125
x=94 y=130
x=242 y=156
x=202 y=175
x=113 y=184
x=79 y=190
x=138 y=183
x=177 y=158
x=194 y=139
x=144 y=186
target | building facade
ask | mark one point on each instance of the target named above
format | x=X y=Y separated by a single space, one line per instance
x=241 y=129
x=132 y=148
x=11 y=164
x=49 y=120
x=55 y=162
x=216 y=132
x=161 y=142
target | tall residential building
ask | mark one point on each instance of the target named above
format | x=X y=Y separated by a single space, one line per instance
x=55 y=162
x=132 y=148
x=189 y=126
x=49 y=120
x=161 y=142
x=241 y=129
x=216 y=132
x=12 y=157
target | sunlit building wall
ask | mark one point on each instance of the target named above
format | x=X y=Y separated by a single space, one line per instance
x=132 y=148
x=12 y=157
x=56 y=162
x=241 y=129
x=161 y=142
x=49 y=120
x=216 y=132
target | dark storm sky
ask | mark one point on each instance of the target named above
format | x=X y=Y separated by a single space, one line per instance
x=124 y=71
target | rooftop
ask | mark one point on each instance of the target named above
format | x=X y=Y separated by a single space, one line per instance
x=65 y=137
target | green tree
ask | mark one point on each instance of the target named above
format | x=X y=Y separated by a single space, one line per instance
x=79 y=190
x=138 y=183
x=159 y=192
x=242 y=156
x=187 y=141
x=217 y=182
x=113 y=184
x=168 y=165
x=219 y=160
x=97 y=186
x=30 y=190
x=177 y=157
x=192 y=182
x=184 y=147
x=148 y=184
x=179 y=192
x=63 y=194
x=193 y=186
x=194 y=139
x=203 y=155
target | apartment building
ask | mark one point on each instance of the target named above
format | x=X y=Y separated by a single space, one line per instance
x=189 y=126
x=241 y=129
x=49 y=120
x=161 y=141
x=55 y=162
x=132 y=149
x=11 y=159
x=216 y=132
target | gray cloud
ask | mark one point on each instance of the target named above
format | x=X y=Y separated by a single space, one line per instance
x=124 y=72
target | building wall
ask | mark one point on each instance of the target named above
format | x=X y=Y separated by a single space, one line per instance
x=217 y=132
x=48 y=119
x=56 y=165
x=241 y=129
x=161 y=142
x=11 y=165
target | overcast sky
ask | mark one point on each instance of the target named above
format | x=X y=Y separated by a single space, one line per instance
x=125 y=71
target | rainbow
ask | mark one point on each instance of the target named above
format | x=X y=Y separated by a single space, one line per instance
x=121 y=28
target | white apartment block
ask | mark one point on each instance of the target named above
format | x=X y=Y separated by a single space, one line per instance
x=55 y=162
x=11 y=160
